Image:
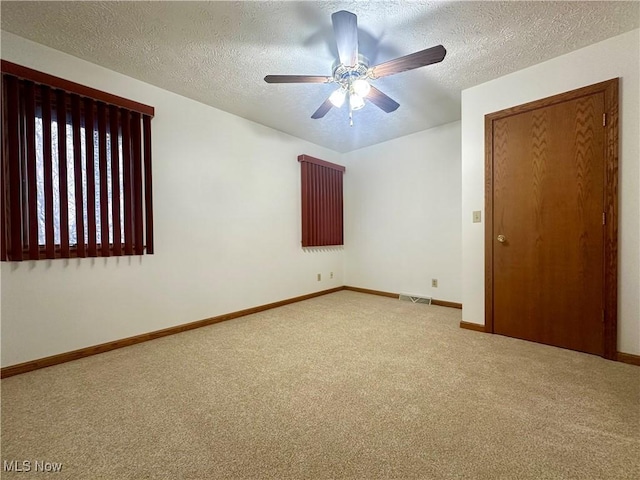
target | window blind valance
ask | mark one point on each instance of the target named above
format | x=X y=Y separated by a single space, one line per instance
x=25 y=73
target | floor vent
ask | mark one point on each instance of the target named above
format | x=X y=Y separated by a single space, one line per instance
x=415 y=298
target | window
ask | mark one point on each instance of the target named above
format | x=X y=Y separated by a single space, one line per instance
x=76 y=170
x=321 y=202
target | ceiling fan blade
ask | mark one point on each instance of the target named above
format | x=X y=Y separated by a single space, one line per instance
x=345 y=28
x=382 y=100
x=297 y=79
x=409 y=62
x=322 y=110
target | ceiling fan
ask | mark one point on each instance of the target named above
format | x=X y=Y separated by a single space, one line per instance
x=353 y=74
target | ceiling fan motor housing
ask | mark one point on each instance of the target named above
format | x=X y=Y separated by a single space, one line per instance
x=343 y=73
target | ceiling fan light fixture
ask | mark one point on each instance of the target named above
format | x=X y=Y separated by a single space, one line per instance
x=337 y=98
x=361 y=87
x=356 y=101
x=352 y=73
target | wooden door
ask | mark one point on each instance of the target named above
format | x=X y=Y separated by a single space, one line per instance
x=548 y=236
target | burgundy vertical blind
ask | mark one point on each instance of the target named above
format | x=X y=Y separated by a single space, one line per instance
x=76 y=170
x=322 y=217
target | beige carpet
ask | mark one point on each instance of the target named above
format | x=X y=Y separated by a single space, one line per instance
x=347 y=385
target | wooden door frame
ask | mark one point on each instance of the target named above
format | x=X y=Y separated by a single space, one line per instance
x=610 y=293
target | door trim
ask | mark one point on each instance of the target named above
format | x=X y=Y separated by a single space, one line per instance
x=610 y=293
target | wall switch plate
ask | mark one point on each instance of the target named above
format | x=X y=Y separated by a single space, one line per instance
x=331 y=275
x=477 y=216
x=434 y=282
x=319 y=277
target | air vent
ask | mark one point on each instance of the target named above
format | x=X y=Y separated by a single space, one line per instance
x=415 y=298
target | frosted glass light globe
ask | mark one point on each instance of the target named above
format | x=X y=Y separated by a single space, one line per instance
x=361 y=87
x=337 y=97
x=356 y=101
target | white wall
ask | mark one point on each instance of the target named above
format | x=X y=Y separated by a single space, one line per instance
x=402 y=214
x=227 y=213
x=615 y=57
x=227 y=229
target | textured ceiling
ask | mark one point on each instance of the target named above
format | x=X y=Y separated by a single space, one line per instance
x=219 y=52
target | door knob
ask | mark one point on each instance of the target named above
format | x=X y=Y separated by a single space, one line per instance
x=502 y=238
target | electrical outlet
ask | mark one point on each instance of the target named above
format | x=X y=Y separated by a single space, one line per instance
x=477 y=216
x=319 y=277
x=331 y=275
x=434 y=282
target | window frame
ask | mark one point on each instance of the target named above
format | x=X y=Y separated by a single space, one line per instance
x=77 y=99
x=322 y=202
